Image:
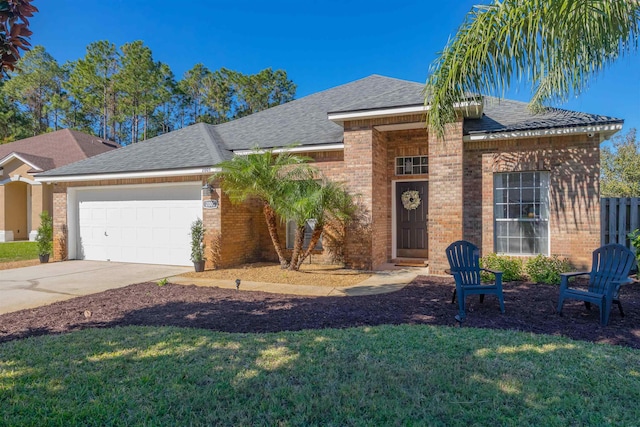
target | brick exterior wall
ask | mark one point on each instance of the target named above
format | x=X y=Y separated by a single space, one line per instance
x=446 y=183
x=460 y=198
x=573 y=163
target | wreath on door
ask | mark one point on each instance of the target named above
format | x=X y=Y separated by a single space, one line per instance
x=410 y=200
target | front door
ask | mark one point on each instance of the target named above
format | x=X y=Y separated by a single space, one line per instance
x=411 y=219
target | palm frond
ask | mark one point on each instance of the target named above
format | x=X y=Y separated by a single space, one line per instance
x=557 y=46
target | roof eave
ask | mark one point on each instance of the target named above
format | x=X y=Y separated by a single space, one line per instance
x=470 y=109
x=605 y=130
x=163 y=173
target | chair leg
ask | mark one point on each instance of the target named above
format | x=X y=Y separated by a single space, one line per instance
x=461 y=307
x=587 y=304
x=501 y=300
x=481 y=298
x=453 y=298
x=560 y=304
x=605 y=309
x=617 y=301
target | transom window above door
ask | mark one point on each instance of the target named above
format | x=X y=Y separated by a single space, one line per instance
x=412 y=165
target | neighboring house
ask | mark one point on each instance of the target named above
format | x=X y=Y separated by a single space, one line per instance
x=22 y=198
x=507 y=180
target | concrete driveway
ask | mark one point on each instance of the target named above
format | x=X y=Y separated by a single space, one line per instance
x=43 y=284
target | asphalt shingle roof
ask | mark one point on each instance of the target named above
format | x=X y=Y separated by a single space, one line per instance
x=304 y=121
x=55 y=149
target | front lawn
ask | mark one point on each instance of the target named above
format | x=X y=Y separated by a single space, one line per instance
x=384 y=375
x=18 y=251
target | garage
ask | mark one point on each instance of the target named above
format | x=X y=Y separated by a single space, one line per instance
x=147 y=224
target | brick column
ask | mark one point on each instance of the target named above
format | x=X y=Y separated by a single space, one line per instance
x=60 y=230
x=365 y=175
x=445 y=194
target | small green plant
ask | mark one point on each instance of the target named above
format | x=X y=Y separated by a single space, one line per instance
x=197 y=241
x=544 y=269
x=635 y=241
x=44 y=239
x=163 y=282
x=511 y=267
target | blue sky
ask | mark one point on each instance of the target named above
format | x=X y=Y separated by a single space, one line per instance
x=321 y=44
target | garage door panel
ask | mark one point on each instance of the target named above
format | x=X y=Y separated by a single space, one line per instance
x=145 y=225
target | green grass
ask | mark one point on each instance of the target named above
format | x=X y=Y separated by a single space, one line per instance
x=389 y=375
x=18 y=251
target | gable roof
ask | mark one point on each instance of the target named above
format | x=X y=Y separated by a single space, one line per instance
x=305 y=122
x=55 y=149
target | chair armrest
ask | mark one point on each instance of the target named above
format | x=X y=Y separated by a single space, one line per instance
x=575 y=273
x=491 y=271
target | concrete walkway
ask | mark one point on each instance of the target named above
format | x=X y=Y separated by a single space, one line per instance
x=389 y=279
x=43 y=284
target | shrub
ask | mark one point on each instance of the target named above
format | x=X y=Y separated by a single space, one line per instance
x=511 y=267
x=635 y=241
x=543 y=269
x=197 y=241
x=44 y=239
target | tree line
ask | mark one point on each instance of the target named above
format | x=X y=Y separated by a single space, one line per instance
x=124 y=95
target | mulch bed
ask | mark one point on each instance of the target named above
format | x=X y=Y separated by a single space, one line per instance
x=427 y=300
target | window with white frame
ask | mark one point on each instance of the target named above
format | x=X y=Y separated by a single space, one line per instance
x=308 y=230
x=521 y=211
x=412 y=165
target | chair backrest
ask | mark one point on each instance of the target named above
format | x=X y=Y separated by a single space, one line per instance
x=610 y=262
x=464 y=258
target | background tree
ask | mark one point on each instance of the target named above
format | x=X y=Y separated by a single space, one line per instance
x=14 y=31
x=620 y=167
x=13 y=123
x=138 y=82
x=33 y=84
x=555 y=45
x=193 y=88
x=260 y=91
x=91 y=84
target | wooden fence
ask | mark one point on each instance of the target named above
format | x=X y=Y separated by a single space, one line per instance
x=618 y=218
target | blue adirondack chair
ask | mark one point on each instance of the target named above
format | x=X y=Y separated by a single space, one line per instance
x=609 y=270
x=464 y=260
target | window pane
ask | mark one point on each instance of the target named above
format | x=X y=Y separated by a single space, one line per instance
x=522 y=199
x=501 y=245
x=527 y=179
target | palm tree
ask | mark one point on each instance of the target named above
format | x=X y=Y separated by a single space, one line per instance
x=556 y=45
x=266 y=176
x=318 y=202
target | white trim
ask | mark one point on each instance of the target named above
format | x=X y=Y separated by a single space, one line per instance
x=474 y=108
x=6 y=235
x=12 y=156
x=304 y=149
x=372 y=114
x=394 y=215
x=128 y=175
x=18 y=178
x=613 y=128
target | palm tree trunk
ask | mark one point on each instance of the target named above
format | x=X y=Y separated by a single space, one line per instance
x=315 y=237
x=272 y=226
x=298 y=243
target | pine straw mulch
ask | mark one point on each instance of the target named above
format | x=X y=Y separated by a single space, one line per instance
x=427 y=300
x=310 y=274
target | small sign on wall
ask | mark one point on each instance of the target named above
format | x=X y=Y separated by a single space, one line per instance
x=210 y=204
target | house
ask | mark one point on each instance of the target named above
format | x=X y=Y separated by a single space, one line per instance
x=507 y=180
x=22 y=198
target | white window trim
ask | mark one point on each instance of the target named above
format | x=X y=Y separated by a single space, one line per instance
x=290 y=237
x=545 y=197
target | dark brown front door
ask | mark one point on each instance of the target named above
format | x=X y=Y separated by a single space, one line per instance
x=411 y=219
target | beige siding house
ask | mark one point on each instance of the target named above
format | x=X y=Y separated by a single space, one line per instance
x=22 y=198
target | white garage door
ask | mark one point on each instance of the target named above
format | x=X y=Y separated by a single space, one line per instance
x=145 y=224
